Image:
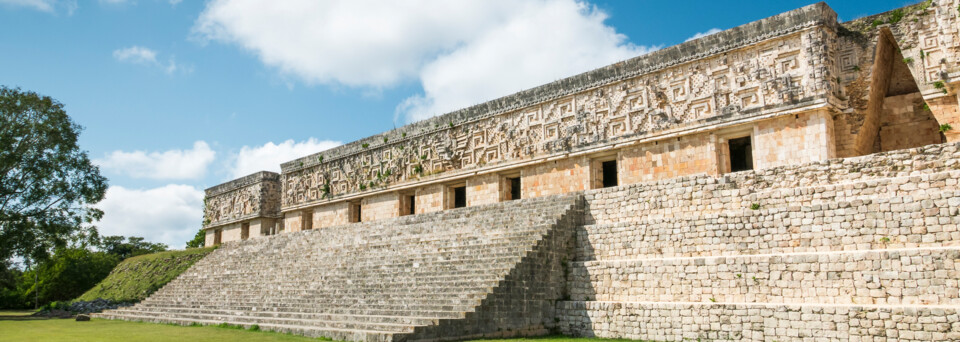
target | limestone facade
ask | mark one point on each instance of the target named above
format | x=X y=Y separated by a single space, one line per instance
x=247 y=207
x=794 y=88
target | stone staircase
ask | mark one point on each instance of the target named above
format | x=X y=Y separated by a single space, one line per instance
x=484 y=271
x=858 y=249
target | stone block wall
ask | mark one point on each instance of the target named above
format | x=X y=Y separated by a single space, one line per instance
x=905 y=123
x=842 y=249
x=331 y=215
x=484 y=189
x=684 y=156
x=380 y=207
x=793 y=139
x=556 y=177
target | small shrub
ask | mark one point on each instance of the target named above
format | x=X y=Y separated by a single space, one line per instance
x=403 y=135
x=884 y=239
x=922 y=54
x=939 y=85
x=301 y=164
x=908 y=60
x=254 y=327
x=945 y=127
x=895 y=16
x=876 y=22
x=372 y=185
x=320 y=159
x=755 y=206
x=451 y=124
x=365 y=145
x=926 y=107
x=713 y=299
x=739 y=275
x=363 y=187
x=418 y=168
x=856 y=68
x=385 y=139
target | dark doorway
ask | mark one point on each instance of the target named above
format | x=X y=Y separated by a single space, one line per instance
x=355 y=214
x=412 y=207
x=460 y=197
x=514 y=188
x=609 y=175
x=217 y=236
x=244 y=231
x=741 y=154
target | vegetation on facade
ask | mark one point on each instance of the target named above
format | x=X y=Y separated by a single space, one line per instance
x=136 y=278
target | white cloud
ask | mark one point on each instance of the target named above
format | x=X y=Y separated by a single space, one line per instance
x=49 y=6
x=170 y=214
x=175 y=2
x=462 y=52
x=530 y=49
x=172 y=164
x=136 y=54
x=145 y=56
x=703 y=34
x=269 y=156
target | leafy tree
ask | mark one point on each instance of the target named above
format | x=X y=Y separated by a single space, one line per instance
x=47 y=184
x=198 y=240
x=67 y=275
x=134 y=246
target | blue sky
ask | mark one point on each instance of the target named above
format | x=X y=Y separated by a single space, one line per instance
x=176 y=96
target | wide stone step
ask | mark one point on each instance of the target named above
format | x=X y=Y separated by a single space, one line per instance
x=331 y=333
x=314 y=323
x=410 y=320
x=899 y=276
x=860 y=225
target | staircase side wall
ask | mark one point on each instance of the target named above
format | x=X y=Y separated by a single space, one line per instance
x=843 y=249
x=524 y=303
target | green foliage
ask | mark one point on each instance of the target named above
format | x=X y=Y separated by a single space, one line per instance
x=198 y=240
x=876 y=22
x=365 y=145
x=856 y=68
x=939 y=85
x=136 y=278
x=885 y=239
x=418 y=168
x=363 y=187
x=908 y=60
x=404 y=134
x=134 y=246
x=255 y=327
x=47 y=183
x=926 y=107
x=922 y=54
x=755 y=206
x=713 y=299
x=326 y=188
x=895 y=16
x=68 y=274
x=945 y=127
x=451 y=124
x=320 y=159
x=385 y=139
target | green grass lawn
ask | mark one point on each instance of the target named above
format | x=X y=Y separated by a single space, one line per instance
x=20 y=326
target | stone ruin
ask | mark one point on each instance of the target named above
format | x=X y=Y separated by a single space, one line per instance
x=806 y=189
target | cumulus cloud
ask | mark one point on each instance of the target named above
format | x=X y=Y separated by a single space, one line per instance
x=703 y=34
x=49 y=6
x=462 y=52
x=530 y=49
x=172 y=164
x=269 y=156
x=145 y=56
x=171 y=214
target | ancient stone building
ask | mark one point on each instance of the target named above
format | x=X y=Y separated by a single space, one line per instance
x=793 y=88
x=793 y=178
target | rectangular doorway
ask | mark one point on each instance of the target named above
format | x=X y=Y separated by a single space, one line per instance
x=608 y=173
x=741 y=154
